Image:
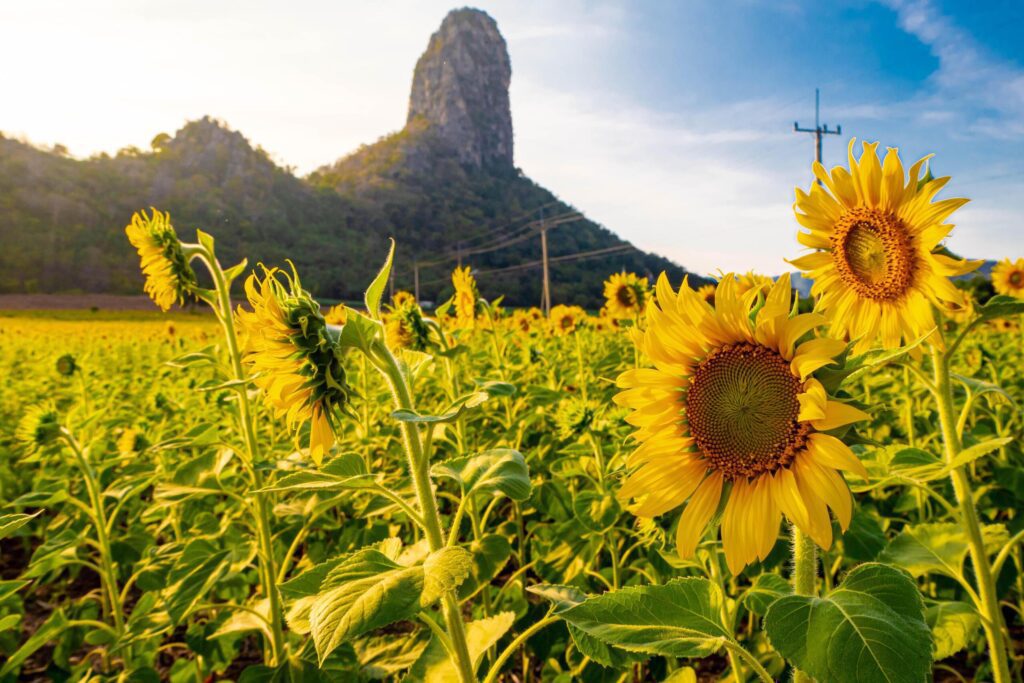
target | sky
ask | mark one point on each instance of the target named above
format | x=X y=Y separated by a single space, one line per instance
x=671 y=123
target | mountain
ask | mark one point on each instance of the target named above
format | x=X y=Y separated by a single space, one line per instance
x=444 y=186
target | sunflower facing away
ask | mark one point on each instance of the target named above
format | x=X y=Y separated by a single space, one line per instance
x=169 y=277
x=466 y=295
x=404 y=326
x=296 y=356
x=876 y=232
x=731 y=411
x=1008 y=277
x=625 y=295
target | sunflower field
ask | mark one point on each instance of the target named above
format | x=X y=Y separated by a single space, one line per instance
x=733 y=483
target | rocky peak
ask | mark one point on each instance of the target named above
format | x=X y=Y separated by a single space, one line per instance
x=460 y=87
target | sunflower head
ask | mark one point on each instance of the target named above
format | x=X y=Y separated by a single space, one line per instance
x=625 y=295
x=751 y=281
x=877 y=265
x=296 y=356
x=575 y=416
x=66 y=365
x=38 y=428
x=707 y=292
x=521 y=321
x=1008 y=278
x=336 y=315
x=565 y=320
x=731 y=409
x=131 y=441
x=961 y=310
x=404 y=326
x=169 y=277
x=466 y=297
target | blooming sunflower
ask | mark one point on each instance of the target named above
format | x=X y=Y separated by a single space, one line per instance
x=1008 y=277
x=707 y=292
x=169 y=277
x=466 y=296
x=521 y=321
x=731 y=409
x=750 y=280
x=877 y=269
x=625 y=295
x=565 y=319
x=336 y=315
x=296 y=356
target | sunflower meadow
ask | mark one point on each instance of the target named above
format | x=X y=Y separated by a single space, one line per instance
x=729 y=482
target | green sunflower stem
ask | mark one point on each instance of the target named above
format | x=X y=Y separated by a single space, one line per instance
x=264 y=533
x=991 y=615
x=419 y=468
x=805 y=575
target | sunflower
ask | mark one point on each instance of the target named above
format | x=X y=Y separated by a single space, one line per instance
x=521 y=321
x=169 y=277
x=877 y=266
x=296 y=356
x=67 y=365
x=707 y=292
x=961 y=310
x=1003 y=325
x=336 y=315
x=1008 y=277
x=466 y=296
x=404 y=326
x=575 y=416
x=625 y=295
x=565 y=319
x=750 y=280
x=38 y=428
x=731 y=410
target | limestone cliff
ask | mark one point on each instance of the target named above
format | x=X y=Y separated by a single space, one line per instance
x=460 y=87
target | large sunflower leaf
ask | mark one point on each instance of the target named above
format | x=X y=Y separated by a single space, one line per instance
x=366 y=591
x=954 y=625
x=679 y=619
x=871 y=628
x=500 y=470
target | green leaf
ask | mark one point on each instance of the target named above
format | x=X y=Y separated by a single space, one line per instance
x=9 y=588
x=938 y=548
x=444 y=570
x=1001 y=306
x=206 y=240
x=366 y=591
x=347 y=471
x=405 y=415
x=969 y=455
x=47 y=631
x=979 y=387
x=384 y=656
x=501 y=470
x=878 y=358
x=596 y=511
x=766 y=589
x=193 y=575
x=954 y=626
x=9 y=622
x=490 y=554
x=236 y=270
x=679 y=619
x=11 y=523
x=565 y=597
x=870 y=628
x=375 y=292
x=435 y=666
x=864 y=538
x=358 y=332
x=204 y=357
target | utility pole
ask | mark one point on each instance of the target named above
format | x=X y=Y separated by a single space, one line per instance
x=458 y=248
x=819 y=130
x=546 y=292
x=416 y=280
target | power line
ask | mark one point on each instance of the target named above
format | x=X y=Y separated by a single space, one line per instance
x=568 y=258
x=818 y=131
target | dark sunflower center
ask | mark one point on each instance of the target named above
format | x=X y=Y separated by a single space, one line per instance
x=626 y=296
x=1016 y=279
x=873 y=254
x=742 y=410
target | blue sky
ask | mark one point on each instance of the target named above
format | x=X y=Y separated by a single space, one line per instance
x=669 y=122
